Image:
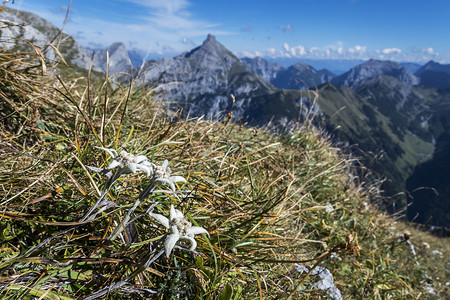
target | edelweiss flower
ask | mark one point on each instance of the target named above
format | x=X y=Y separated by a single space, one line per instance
x=162 y=175
x=128 y=163
x=180 y=228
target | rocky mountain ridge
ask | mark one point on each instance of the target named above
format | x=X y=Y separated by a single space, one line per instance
x=260 y=66
x=203 y=80
x=379 y=107
x=25 y=26
x=373 y=68
x=434 y=75
x=297 y=76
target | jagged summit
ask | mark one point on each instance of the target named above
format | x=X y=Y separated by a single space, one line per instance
x=297 y=76
x=210 y=38
x=117 y=46
x=434 y=75
x=210 y=73
x=373 y=68
x=118 y=58
x=212 y=54
x=433 y=66
x=260 y=66
x=301 y=76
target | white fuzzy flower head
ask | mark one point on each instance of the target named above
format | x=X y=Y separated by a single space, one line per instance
x=162 y=175
x=128 y=163
x=179 y=228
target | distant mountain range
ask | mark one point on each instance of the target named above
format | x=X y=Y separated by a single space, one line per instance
x=395 y=117
x=297 y=76
x=27 y=26
x=434 y=75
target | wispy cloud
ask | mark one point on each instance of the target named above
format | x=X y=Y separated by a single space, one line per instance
x=157 y=26
x=172 y=15
x=336 y=51
x=295 y=51
x=171 y=7
x=286 y=28
x=391 y=51
x=357 y=50
x=428 y=51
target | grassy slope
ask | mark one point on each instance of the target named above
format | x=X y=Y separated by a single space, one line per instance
x=267 y=202
x=360 y=122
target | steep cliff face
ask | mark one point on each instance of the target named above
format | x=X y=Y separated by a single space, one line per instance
x=265 y=69
x=296 y=77
x=373 y=68
x=203 y=80
x=301 y=76
x=434 y=75
x=118 y=59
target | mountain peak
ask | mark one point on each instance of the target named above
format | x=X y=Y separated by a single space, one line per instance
x=374 y=68
x=264 y=68
x=211 y=50
x=212 y=44
x=210 y=38
x=435 y=67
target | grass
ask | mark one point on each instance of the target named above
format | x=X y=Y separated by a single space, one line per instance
x=268 y=202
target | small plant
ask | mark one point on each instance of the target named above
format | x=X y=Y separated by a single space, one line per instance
x=256 y=215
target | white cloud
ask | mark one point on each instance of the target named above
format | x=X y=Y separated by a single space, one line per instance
x=287 y=27
x=338 y=51
x=357 y=50
x=159 y=24
x=391 y=51
x=298 y=51
x=295 y=51
x=271 y=51
x=430 y=51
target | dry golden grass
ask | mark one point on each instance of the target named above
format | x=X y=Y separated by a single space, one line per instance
x=268 y=201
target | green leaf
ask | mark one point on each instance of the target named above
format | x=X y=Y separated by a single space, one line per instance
x=199 y=260
x=227 y=292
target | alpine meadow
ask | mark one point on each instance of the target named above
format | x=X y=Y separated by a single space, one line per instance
x=206 y=176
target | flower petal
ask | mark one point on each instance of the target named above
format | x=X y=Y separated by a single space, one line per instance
x=165 y=164
x=197 y=230
x=132 y=167
x=114 y=164
x=177 y=179
x=170 y=242
x=172 y=186
x=161 y=219
x=100 y=170
x=179 y=214
x=173 y=212
x=192 y=240
x=111 y=152
x=140 y=159
x=144 y=168
x=163 y=180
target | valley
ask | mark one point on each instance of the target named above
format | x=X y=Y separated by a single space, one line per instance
x=392 y=120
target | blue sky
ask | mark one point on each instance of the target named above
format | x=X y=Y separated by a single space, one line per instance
x=401 y=30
